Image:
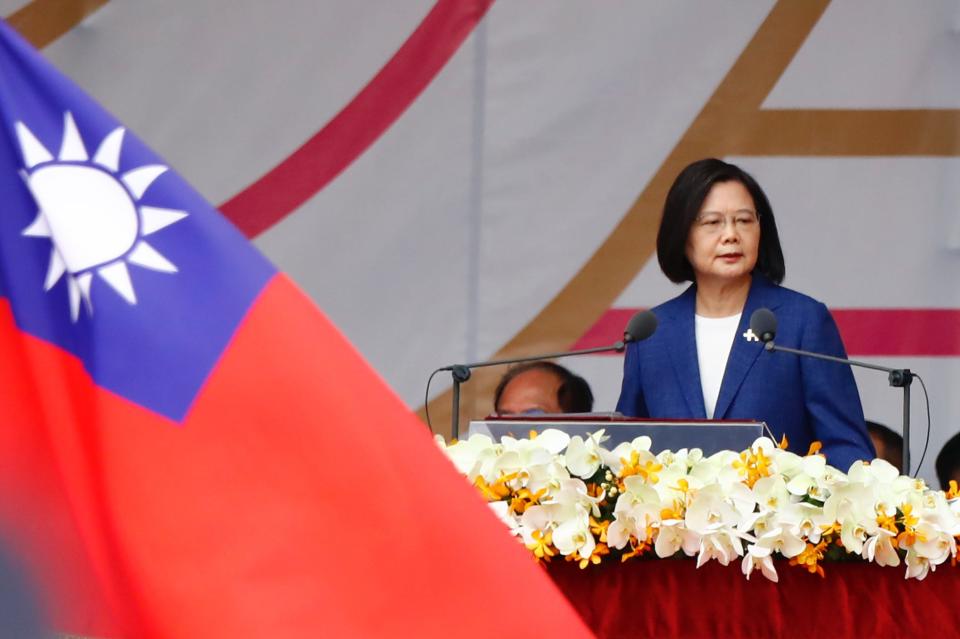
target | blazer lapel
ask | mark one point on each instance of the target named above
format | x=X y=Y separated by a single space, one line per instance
x=682 y=345
x=744 y=352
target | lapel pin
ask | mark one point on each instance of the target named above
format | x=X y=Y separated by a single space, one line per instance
x=750 y=336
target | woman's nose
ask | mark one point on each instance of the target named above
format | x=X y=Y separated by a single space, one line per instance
x=730 y=232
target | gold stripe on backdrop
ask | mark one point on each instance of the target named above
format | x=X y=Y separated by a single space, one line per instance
x=851 y=133
x=730 y=123
x=43 y=21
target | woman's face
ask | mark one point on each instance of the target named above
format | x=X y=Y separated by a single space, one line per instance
x=725 y=238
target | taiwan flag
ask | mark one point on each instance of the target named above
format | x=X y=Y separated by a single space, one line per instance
x=188 y=447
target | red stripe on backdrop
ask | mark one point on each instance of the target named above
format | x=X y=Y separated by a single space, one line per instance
x=889 y=332
x=358 y=125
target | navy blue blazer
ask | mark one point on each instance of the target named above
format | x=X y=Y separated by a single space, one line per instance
x=804 y=398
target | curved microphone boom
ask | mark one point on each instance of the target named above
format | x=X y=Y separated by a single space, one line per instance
x=641 y=326
x=763 y=323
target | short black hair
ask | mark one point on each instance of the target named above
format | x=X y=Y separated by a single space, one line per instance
x=892 y=440
x=682 y=207
x=573 y=396
x=948 y=460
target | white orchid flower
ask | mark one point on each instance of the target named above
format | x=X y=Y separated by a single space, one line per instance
x=759 y=557
x=635 y=453
x=540 y=519
x=832 y=479
x=583 y=456
x=720 y=544
x=638 y=521
x=783 y=541
x=681 y=460
x=549 y=477
x=637 y=491
x=553 y=440
x=771 y=493
x=520 y=456
x=684 y=459
x=719 y=468
x=620 y=530
x=574 y=492
x=854 y=532
x=710 y=508
x=937 y=510
x=466 y=454
x=917 y=566
x=880 y=548
x=808 y=521
x=705 y=469
x=789 y=464
x=673 y=536
x=741 y=497
x=673 y=484
x=759 y=523
x=810 y=472
x=765 y=444
x=854 y=501
x=547 y=518
x=883 y=471
x=574 y=536
x=933 y=544
x=639 y=444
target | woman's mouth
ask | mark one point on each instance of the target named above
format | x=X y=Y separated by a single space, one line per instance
x=731 y=257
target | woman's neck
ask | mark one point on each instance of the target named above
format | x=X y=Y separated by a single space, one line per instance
x=722 y=298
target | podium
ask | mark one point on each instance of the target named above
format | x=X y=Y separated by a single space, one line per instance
x=710 y=436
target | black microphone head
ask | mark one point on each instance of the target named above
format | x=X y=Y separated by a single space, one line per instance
x=763 y=323
x=640 y=327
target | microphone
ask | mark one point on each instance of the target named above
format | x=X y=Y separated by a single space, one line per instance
x=641 y=326
x=763 y=323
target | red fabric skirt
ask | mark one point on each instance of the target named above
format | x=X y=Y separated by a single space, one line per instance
x=672 y=598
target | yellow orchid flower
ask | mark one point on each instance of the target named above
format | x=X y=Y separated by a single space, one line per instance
x=594 y=557
x=494 y=491
x=599 y=528
x=542 y=546
x=630 y=466
x=524 y=498
x=810 y=558
x=637 y=548
x=952 y=491
x=752 y=465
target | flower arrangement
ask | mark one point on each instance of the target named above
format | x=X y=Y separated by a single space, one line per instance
x=571 y=497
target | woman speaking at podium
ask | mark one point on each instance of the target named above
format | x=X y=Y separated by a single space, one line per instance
x=718 y=231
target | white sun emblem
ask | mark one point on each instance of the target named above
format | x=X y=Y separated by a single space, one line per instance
x=91 y=213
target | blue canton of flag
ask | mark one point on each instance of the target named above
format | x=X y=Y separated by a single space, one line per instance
x=104 y=251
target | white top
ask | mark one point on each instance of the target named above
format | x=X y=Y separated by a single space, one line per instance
x=714 y=340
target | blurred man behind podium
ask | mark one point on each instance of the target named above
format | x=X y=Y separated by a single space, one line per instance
x=541 y=388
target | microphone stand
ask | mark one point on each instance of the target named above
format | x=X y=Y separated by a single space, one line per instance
x=898 y=378
x=461 y=373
